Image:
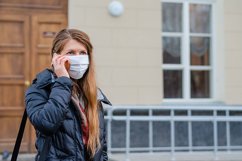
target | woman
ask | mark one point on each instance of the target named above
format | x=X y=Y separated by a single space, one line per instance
x=64 y=104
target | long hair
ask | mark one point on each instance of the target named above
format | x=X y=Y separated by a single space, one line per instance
x=86 y=85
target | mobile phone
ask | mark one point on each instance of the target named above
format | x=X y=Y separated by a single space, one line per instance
x=67 y=65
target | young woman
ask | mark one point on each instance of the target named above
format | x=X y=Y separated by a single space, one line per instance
x=65 y=105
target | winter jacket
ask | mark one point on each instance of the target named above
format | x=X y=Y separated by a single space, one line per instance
x=52 y=113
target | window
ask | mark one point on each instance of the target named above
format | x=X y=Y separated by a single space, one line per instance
x=187 y=49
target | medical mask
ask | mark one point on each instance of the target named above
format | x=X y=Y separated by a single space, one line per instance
x=78 y=66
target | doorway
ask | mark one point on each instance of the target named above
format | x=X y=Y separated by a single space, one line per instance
x=27 y=30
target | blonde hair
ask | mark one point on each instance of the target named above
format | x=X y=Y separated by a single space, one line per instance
x=86 y=85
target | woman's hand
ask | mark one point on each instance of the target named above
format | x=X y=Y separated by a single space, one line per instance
x=58 y=63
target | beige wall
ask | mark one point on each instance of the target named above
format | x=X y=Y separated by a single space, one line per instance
x=233 y=51
x=127 y=48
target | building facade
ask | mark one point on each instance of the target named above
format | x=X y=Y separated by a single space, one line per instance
x=133 y=66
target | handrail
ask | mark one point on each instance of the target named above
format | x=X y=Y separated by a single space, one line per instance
x=213 y=115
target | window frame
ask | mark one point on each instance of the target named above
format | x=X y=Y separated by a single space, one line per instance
x=185 y=65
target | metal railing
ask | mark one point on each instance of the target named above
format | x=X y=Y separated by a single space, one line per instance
x=190 y=114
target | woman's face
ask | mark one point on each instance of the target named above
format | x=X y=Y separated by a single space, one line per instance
x=73 y=47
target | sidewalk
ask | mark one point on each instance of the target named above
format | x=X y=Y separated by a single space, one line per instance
x=179 y=156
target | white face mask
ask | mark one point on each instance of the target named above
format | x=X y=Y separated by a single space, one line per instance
x=78 y=66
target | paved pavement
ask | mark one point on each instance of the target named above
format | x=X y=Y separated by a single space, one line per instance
x=179 y=156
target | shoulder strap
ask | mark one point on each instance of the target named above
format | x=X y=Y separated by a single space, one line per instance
x=46 y=147
x=19 y=137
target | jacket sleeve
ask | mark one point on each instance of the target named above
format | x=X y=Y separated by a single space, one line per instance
x=105 y=147
x=103 y=100
x=45 y=110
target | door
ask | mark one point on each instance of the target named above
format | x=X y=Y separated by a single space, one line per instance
x=14 y=74
x=44 y=29
x=27 y=29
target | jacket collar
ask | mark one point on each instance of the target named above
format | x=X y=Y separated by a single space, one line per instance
x=101 y=97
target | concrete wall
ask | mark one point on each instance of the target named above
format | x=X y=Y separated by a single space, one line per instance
x=127 y=48
x=233 y=51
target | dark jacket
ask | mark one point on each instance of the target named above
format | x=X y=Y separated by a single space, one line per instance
x=52 y=113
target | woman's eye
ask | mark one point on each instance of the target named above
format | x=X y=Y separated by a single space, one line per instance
x=83 y=53
x=70 y=53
